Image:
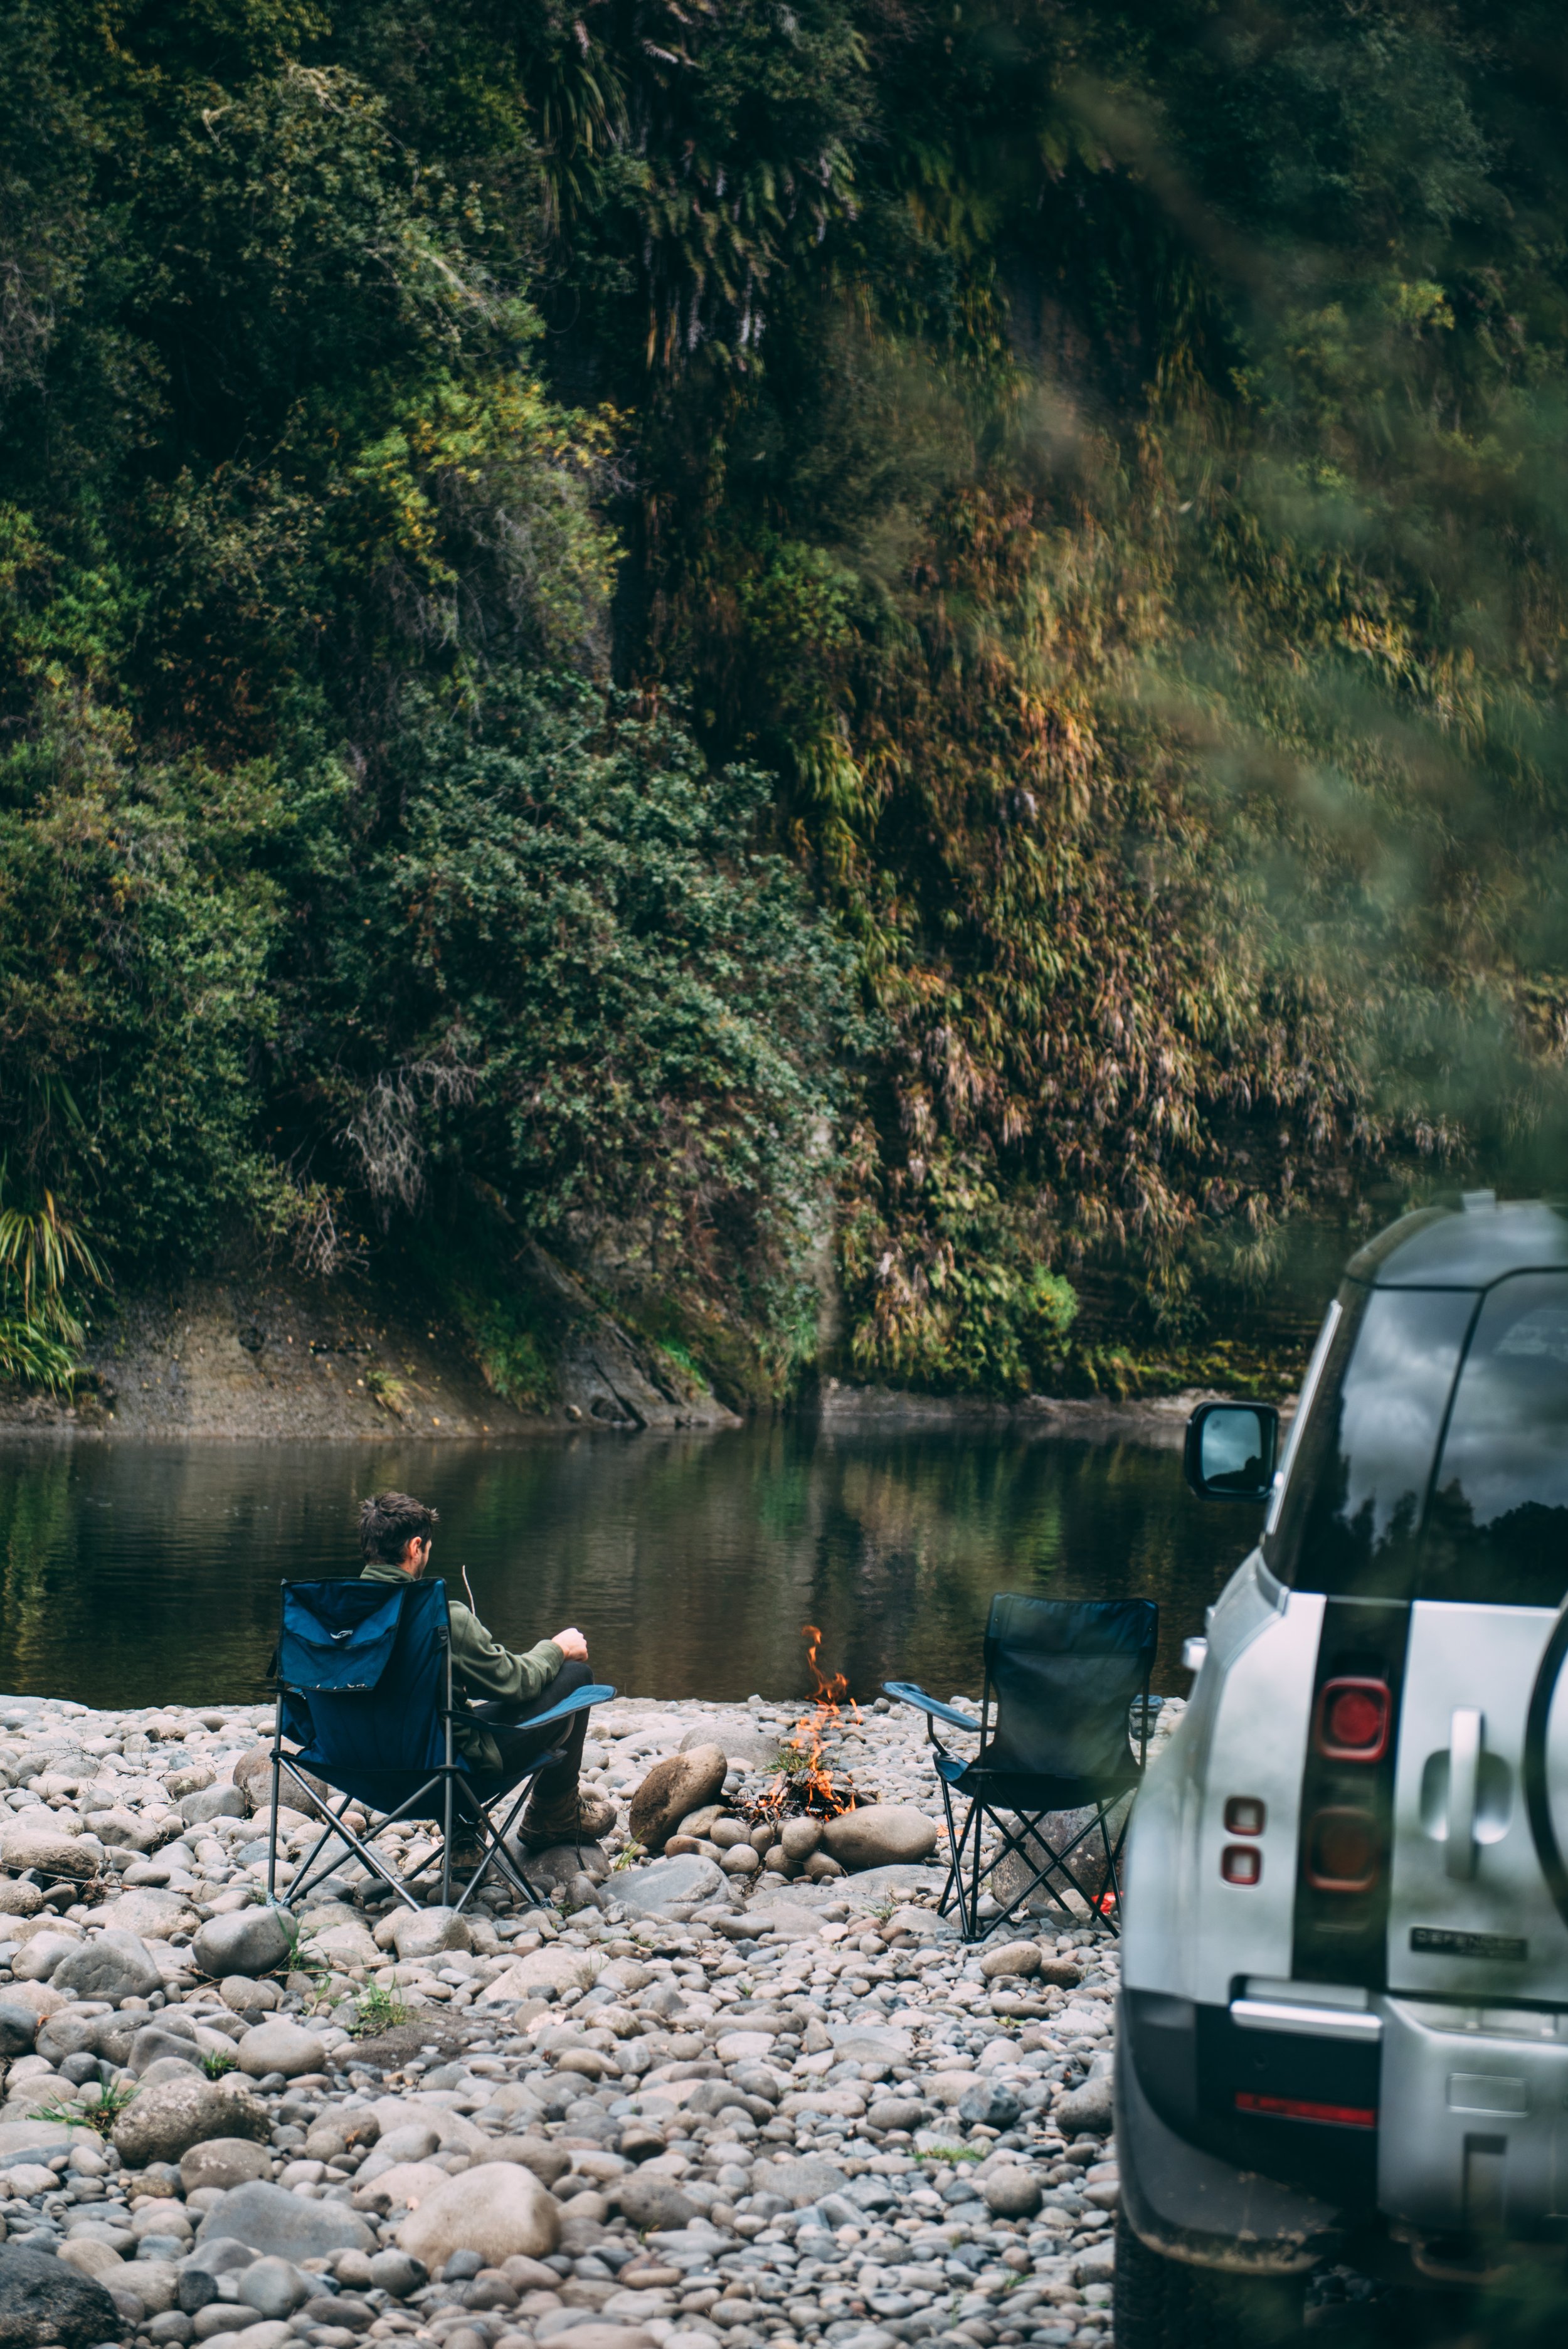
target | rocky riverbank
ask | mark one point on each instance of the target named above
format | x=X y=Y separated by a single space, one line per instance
x=727 y=2094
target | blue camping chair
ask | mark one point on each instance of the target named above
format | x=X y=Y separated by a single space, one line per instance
x=1066 y=1685
x=364 y=1691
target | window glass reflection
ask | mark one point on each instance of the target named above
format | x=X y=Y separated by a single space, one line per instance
x=1353 y=1517
x=1499 y=1524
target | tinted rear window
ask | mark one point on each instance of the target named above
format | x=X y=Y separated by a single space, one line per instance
x=1352 y=1516
x=1498 y=1524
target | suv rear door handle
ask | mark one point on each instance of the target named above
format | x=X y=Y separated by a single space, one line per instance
x=1465 y=1731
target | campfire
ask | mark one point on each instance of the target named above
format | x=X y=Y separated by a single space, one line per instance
x=805 y=1784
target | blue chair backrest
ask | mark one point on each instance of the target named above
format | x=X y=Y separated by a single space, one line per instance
x=364 y=1668
x=1063 y=1674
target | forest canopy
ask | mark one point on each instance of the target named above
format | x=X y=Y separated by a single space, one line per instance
x=704 y=623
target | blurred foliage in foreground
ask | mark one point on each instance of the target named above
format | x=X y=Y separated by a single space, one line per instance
x=619 y=616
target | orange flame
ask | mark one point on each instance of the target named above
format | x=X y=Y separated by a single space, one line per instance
x=809 y=1781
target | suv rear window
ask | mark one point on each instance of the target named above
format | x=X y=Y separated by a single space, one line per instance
x=1497 y=1527
x=1351 y=1521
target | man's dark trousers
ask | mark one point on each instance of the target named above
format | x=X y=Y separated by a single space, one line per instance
x=520 y=1746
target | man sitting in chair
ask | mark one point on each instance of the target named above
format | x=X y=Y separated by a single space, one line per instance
x=502 y=1690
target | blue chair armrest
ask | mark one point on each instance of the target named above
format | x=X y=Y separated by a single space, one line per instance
x=578 y=1701
x=906 y=1692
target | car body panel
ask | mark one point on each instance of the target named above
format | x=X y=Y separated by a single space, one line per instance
x=1241 y=1738
x=1477 y=1921
x=1422 y=2082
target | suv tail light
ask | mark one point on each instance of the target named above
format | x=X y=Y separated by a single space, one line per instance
x=1352 y=1719
x=1343 y=1853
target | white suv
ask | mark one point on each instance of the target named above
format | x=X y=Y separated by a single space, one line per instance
x=1342 y=2056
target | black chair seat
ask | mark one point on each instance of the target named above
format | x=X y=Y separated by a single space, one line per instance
x=1016 y=1791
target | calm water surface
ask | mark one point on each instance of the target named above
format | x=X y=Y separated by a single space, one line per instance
x=149 y=1574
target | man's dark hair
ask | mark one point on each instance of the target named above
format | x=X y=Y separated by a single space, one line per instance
x=390 y=1522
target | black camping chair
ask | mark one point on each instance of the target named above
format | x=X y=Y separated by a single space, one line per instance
x=1066 y=1686
x=365 y=1690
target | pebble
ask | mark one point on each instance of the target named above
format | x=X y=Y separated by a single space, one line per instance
x=737 y=2094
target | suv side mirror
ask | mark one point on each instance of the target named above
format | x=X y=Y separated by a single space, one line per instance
x=1230 y=1451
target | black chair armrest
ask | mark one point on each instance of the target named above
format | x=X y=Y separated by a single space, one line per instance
x=907 y=1693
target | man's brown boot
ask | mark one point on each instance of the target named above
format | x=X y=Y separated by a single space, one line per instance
x=579 y=1818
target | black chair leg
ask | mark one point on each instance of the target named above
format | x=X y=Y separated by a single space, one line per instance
x=955 y=1887
x=1047 y=1866
x=492 y=1853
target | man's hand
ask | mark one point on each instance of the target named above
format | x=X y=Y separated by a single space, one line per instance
x=573 y=1645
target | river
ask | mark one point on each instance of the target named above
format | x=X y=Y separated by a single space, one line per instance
x=149 y=1574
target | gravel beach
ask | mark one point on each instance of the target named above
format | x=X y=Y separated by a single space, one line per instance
x=723 y=2094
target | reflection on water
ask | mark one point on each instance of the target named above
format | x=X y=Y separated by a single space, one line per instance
x=148 y=1574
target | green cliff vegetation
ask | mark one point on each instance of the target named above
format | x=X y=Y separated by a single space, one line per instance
x=719 y=636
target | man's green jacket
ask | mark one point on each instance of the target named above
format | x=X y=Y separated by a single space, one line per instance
x=482 y=1668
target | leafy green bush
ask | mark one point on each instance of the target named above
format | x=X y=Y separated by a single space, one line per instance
x=600 y=999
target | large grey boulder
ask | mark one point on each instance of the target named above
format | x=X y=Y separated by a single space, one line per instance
x=284 y=2226
x=901 y=1880
x=798 y=1838
x=653 y=2202
x=43 y=2300
x=153 y=2042
x=25 y=2140
x=1088 y=2110
x=878 y=1835
x=1095 y=2265
x=252 y=1773
x=152 y=1915
x=395 y=2272
x=280 y=2045
x=988 y=2105
x=334 y=2132
x=18 y=2027
x=425 y=1933
x=1020 y=1959
x=39 y=1956
x=274 y=2287
x=212 y=1803
x=25 y=1845
x=220 y=2255
x=898 y=2112
x=246 y=1942
x=223 y=2162
x=113 y=2036
x=154 y=2280
x=668 y=1888
x=682 y=1782
x=798 y=2182
x=497 y=2209
x=66 y=2032
x=122 y=1830
x=114 y=1965
x=166 y=2118
x=417 y=2142
x=553 y=1870
x=1012 y=2191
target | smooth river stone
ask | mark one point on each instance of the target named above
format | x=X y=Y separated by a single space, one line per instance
x=744 y=2046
